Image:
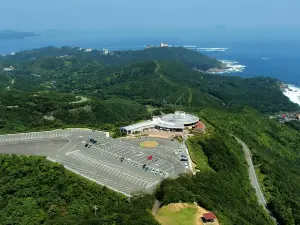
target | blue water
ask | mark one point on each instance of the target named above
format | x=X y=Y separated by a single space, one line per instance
x=282 y=56
x=281 y=59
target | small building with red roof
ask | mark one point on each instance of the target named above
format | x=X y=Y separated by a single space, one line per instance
x=200 y=126
x=209 y=217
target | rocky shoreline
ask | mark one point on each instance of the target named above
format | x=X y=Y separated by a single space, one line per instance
x=292 y=92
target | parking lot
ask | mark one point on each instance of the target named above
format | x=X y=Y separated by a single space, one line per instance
x=121 y=165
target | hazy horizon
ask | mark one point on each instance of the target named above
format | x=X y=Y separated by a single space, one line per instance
x=156 y=14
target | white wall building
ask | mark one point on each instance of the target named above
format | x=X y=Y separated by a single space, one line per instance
x=175 y=122
x=9 y=68
x=163 y=45
x=105 y=51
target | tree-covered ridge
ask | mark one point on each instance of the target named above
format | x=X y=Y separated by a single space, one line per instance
x=27 y=111
x=173 y=82
x=221 y=185
x=45 y=87
x=276 y=155
x=36 y=191
x=188 y=57
x=294 y=124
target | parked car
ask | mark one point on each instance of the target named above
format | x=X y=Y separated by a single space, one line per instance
x=175 y=152
x=184 y=159
x=93 y=141
x=183 y=156
x=144 y=166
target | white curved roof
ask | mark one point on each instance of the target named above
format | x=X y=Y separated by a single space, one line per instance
x=143 y=125
x=172 y=121
x=182 y=118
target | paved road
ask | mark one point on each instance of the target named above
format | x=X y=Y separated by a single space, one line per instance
x=253 y=178
x=102 y=161
x=252 y=174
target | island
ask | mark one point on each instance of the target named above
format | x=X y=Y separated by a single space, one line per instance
x=10 y=34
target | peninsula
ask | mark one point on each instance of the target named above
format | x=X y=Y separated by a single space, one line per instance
x=10 y=34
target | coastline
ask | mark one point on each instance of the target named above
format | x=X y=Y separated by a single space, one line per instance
x=228 y=67
x=292 y=92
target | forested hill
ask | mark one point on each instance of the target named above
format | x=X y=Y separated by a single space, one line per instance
x=149 y=83
x=45 y=89
x=189 y=57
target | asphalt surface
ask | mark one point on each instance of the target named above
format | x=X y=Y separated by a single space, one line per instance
x=100 y=162
x=253 y=178
x=252 y=174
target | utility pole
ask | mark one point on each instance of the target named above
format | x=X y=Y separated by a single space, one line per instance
x=95 y=208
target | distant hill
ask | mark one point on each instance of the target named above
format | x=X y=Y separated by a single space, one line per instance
x=10 y=34
x=125 y=87
x=151 y=83
x=188 y=57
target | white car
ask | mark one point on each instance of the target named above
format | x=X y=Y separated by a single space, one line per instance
x=175 y=152
x=186 y=165
x=140 y=154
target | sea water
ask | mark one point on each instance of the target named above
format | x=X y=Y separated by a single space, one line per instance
x=248 y=58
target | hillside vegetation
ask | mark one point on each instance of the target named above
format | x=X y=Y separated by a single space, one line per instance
x=173 y=82
x=22 y=112
x=35 y=191
x=276 y=156
x=189 y=57
x=119 y=92
x=224 y=188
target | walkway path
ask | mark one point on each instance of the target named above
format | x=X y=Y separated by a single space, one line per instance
x=156 y=207
x=82 y=99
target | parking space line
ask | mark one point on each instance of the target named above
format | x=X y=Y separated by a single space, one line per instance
x=165 y=166
x=105 y=167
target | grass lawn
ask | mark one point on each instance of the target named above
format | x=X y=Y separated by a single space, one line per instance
x=197 y=155
x=174 y=215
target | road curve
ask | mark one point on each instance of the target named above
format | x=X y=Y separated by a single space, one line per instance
x=252 y=174
x=253 y=178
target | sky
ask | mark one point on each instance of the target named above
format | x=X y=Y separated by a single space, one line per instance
x=148 y=14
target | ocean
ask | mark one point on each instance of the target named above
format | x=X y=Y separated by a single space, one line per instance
x=273 y=58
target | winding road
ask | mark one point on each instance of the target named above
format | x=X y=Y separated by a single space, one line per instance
x=253 y=178
x=252 y=174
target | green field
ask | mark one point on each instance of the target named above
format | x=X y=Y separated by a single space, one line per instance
x=170 y=215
